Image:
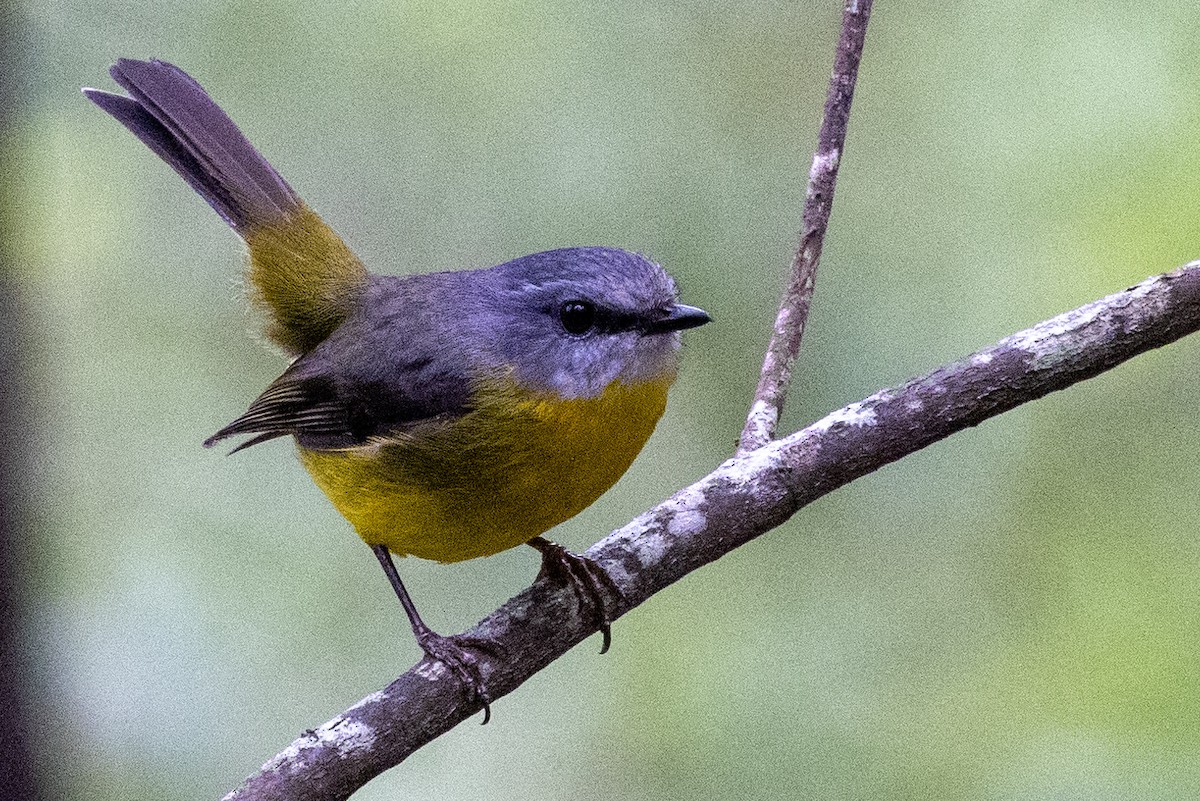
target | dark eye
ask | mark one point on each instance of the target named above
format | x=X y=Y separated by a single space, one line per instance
x=577 y=316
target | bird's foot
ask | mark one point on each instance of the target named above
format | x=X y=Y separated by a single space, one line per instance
x=452 y=652
x=590 y=583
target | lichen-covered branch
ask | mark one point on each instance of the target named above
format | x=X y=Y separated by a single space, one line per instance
x=743 y=498
x=781 y=353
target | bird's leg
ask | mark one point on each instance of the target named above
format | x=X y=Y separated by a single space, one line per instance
x=436 y=646
x=591 y=584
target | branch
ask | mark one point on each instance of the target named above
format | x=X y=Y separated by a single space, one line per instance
x=776 y=375
x=743 y=498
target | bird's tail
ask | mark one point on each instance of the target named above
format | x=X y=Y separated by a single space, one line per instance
x=301 y=271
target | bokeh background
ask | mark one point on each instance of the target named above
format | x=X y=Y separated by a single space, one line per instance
x=1010 y=614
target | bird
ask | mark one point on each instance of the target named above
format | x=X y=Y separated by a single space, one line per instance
x=446 y=415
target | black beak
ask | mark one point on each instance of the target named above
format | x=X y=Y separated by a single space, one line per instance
x=677 y=319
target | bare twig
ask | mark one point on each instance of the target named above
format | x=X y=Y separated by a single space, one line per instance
x=818 y=202
x=741 y=499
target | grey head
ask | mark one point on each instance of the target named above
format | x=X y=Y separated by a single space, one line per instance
x=572 y=321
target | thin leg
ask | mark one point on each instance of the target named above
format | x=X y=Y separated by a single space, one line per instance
x=592 y=586
x=436 y=646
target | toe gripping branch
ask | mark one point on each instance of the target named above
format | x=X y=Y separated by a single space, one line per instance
x=592 y=587
x=450 y=651
x=591 y=584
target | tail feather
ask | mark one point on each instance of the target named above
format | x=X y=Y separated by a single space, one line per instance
x=175 y=117
x=300 y=270
x=166 y=146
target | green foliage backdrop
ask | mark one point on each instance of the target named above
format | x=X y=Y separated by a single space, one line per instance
x=1011 y=614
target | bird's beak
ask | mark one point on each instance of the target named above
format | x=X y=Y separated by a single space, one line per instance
x=678 y=318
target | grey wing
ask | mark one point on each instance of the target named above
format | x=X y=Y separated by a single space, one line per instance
x=331 y=405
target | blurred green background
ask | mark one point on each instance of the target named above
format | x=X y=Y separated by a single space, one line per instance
x=1011 y=614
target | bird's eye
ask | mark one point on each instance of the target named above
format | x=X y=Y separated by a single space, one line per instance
x=577 y=316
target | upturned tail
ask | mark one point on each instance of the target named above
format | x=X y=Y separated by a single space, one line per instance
x=301 y=272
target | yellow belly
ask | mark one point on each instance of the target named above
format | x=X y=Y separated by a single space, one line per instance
x=500 y=475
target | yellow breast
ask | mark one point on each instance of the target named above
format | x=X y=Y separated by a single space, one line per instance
x=517 y=465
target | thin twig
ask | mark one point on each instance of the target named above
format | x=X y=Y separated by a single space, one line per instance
x=743 y=498
x=776 y=375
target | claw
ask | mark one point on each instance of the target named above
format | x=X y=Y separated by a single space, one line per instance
x=590 y=583
x=454 y=656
